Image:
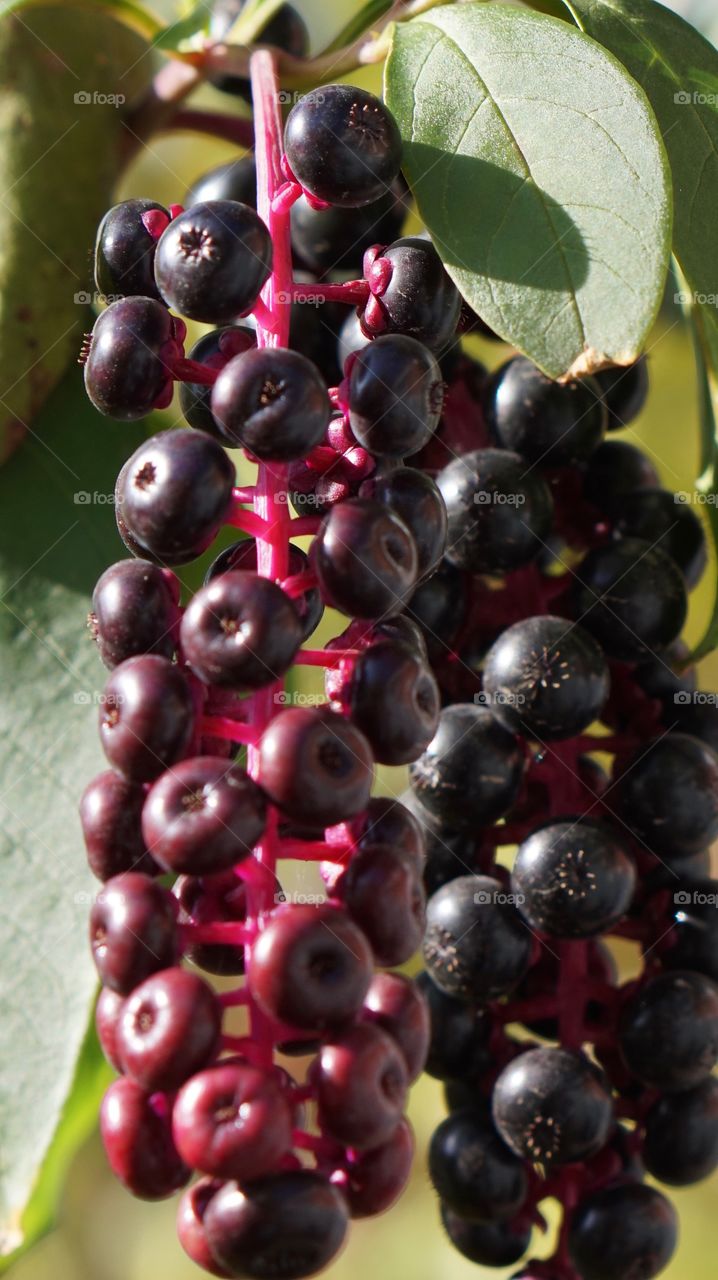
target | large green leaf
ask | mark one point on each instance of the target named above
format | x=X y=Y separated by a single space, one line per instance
x=62 y=71
x=538 y=167
x=678 y=70
x=57 y=535
x=135 y=15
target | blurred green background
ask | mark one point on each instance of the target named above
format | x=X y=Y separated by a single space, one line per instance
x=105 y=1235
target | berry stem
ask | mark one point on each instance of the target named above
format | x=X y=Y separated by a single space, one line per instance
x=248 y=521
x=192 y=371
x=305 y=525
x=352 y=292
x=231 y=730
x=315 y=851
x=325 y=657
x=296 y=584
x=216 y=124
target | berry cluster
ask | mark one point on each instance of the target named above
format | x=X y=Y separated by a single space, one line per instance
x=215 y=779
x=553 y=624
x=515 y=585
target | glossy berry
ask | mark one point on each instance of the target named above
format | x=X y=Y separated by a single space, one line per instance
x=108 y=1011
x=125 y=251
x=137 y=1139
x=624 y=391
x=438 y=606
x=375 y=1179
x=631 y=597
x=381 y=889
x=243 y=555
x=240 y=631
x=134 y=610
x=665 y=675
x=212 y=261
x=552 y=1106
x=316 y=766
x=667 y=794
x=214 y=349
x=203 y=816
x=282 y=1227
x=621 y=1232
x=489 y=1244
x=655 y=516
x=129 y=362
x=573 y=878
x=459 y=1044
x=694 y=939
x=476 y=946
x=343 y=145
x=132 y=931
x=361 y=1080
x=669 y=1031
x=336 y=239
x=395 y=1003
x=311 y=967
x=146 y=717
x=416 y=499
x=232 y=1121
x=273 y=402
x=233 y=180
x=680 y=1144
x=550 y=424
x=213 y=899
x=285 y=30
x=395 y=396
x=472 y=769
x=473 y=1171
x=614 y=469
x=169 y=1029
x=499 y=511
x=386 y=821
x=111 y=817
x=190 y=1224
x=390 y=674
x=420 y=300
x=173 y=495
x=546 y=677
x=365 y=558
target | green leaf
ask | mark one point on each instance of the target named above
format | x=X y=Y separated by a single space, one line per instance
x=362 y=21
x=538 y=168
x=62 y=70
x=678 y=70
x=134 y=15
x=78 y=1122
x=57 y=535
x=187 y=34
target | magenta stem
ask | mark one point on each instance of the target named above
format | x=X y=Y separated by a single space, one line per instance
x=298 y=583
x=304 y=524
x=286 y=197
x=216 y=124
x=233 y=999
x=245 y=494
x=248 y=521
x=230 y=730
x=315 y=851
x=272 y=520
x=353 y=292
x=192 y=371
x=325 y=657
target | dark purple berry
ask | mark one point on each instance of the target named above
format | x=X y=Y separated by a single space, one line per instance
x=203 y=816
x=381 y=889
x=111 y=817
x=396 y=1004
x=133 y=931
x=240 y=631
x=316 y=766
x=376 y=1178
x=631 y=597
x=361 y=1084
x=214 y=349
x=210 y=900
x=285 y=30
x=134 y=610
x=622 y=1232
x=489 y=1244
x=107 y=1015
x=391 y=674
x=129 y=362
x=146 y=717
x=472 y=769
x=420 y=300
x=499 y=511
x=212 y=261
x=173 y=495
x=125 y=251
x=233 y=180
x=415 y=498
x=550 y=424
x=476 y=946
x=243 y=555
x=656 y=516
x=273 y=402
x=336 y=239
x=624 y=391
x=473 y=1171
x=190 y=1224
x=169 y=1029
x=365 y=559
x=553 y=1106
x=669 y=1031
x=667 y=794
x=395 y=396
x=573 y=878
x=680 y=1145
x=232 y=1121
x=137 y=1138
x=343 y=145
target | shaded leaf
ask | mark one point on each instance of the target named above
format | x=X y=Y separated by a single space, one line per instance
x=61 y=71
x=57 y=535
x=538 y=168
